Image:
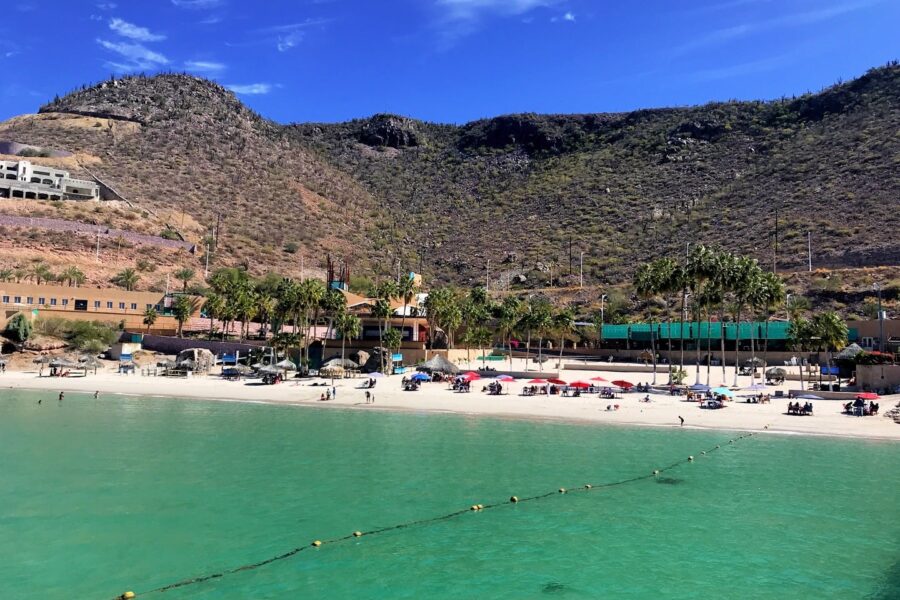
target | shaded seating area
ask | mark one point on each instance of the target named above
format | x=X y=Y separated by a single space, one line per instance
x=860 y=408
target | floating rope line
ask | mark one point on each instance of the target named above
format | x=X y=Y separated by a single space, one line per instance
x=452 y=515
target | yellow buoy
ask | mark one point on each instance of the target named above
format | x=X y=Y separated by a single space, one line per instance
x=514 y=499
x=562 y=490
x=357 y=533
x=656 y=472
x=703 y=452
x=127 y=595
x=587 y=486
x=317 y=543
x=481 y=507
x=690 y=458
x=473 y=507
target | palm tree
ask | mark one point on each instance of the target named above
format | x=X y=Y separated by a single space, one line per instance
x=214 y=308
x=73 y=276
x=348 y=326
x=182 y=310
x=41 y=273
x=801 y=335
x=831 y=332
x=743 y=284
x=647 y=286
x=150 y=316
x=667 y=274
x=334 y=303
x=406 y=290
x=700 y=269
x=541 y=320
x=564 y=324
x=127 y=278
x=436 y=305
x=184 y=275
x=723 y=281
x=509 y=313
x=770 y=294
x=6 y=274
x=481 y=338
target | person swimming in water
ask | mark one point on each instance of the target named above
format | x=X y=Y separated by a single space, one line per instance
x=61 y=396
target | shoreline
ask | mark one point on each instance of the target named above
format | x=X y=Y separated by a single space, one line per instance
x=435 y=398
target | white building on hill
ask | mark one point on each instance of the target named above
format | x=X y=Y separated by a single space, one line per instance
x=21 y=179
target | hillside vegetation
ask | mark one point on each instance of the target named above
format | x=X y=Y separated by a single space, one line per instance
x=529 y=193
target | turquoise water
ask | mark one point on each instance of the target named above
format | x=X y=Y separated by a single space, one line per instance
x=103 y=496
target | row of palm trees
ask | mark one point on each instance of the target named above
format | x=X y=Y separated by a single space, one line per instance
x=720 y=284
x=40 y=273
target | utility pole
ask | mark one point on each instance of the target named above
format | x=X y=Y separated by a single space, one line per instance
x=98 y=244
x=809 y=249
x=581 y=271
x=877 y=288
x=206 y=269
x=775 y=251
x=487 y=277
x=602 y=316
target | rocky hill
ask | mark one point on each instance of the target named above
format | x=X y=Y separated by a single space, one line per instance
x=529 y=193
x=180 y=145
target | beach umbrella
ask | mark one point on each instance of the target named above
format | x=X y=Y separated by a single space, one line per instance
x=810 y=397
x=580 y=384
x=757 y=387
x=723 y=391
x=62 y=363
x=867 y=396
x=625 y=385
x=89 y=362
x=42 y=360
x=538 y=381
x=504 y=378
x=598 y=378
x=420 y=377
x=556 y=381
x=286 y=365
x=376 y=375
x=699 y=387
x=471 y=376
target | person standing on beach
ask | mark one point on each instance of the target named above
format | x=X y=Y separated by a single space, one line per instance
x=680 y=418
x=96 y=394
x=333 y=393
x=368 y=396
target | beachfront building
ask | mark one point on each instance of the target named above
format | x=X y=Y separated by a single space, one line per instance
x=110 y=305
x=708 y=335
x=867 y=334
x=21 y=179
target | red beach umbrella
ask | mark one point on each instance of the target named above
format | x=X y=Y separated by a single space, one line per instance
x=868 y=396
x=540 y=381
x=504 y=378
x=598 y=378
x=580 y=384
x=625 y=385
x=556 y=381
x=471 y=376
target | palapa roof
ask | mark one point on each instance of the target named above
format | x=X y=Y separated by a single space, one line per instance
x=439 y=363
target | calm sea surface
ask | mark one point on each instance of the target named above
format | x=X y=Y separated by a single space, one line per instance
x=102 y=496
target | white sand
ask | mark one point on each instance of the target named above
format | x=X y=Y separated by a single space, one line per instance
x=662 y=412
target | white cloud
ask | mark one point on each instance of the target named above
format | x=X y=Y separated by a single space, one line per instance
x=197 y=4
x=134 y=32
x=204 y=66
x=463 y=17
x=107 y=5
x=250 y=88
x=472 y=9
x=287 y=36
x=137 y=56
x=568 y=17
x=726 y=34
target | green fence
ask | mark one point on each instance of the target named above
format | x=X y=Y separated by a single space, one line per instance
x=777 y=330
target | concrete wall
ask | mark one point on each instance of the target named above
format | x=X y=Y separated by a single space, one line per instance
x=172 y=345
x=880 y=378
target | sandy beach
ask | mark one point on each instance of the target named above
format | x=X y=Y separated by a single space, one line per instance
x=663 y=411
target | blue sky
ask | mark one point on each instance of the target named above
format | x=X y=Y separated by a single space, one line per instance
x=448 y=60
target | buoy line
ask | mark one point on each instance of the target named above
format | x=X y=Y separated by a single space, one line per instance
x=474 y=508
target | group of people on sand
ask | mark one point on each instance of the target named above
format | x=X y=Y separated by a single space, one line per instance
x=328 y=395
x=794 y=408
x=859 y=408
x=494 y=388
